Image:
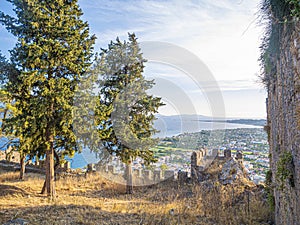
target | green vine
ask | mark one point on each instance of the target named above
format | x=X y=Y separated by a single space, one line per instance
x=285 y=170
x=295 y=7
x=269 y=190
x=271 y=200
x=269 y=178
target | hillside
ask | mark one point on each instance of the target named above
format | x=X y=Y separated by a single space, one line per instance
x=93 y=200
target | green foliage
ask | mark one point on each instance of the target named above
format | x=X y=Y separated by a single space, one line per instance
x=295 y=7
x=279 y=16
x=276 y=14
x=150 y=167
x=163 y=167
x=7 y=108
x=269 y=191
x=285 y=170
x=52 y=54
x=84 y=123
x=271 y=200
x=125 y=112
x=7 y=70
x=268 y=177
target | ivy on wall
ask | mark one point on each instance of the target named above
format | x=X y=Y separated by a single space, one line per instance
x=295 y=7
x=285 y=170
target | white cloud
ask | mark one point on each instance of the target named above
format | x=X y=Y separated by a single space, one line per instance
x=213 y=30
x=223 y=34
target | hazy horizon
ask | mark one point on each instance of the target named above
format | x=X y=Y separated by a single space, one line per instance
x=208 y=117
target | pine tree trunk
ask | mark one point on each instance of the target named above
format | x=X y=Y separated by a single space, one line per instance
x=44 y=188
x=129 y=183
x=57 y=163
x=50 y=187
x=22 y=166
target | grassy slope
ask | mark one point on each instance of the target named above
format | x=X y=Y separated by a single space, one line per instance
x=94 y=200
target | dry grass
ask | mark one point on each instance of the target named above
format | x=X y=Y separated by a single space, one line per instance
x=8 y=176
x=93 y=200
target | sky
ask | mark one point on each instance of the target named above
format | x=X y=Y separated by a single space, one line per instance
x=214 y=48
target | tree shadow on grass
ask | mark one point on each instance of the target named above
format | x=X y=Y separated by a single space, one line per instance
x=69 y=214
x=6 y=190
x=161 y=192
x=88 y=215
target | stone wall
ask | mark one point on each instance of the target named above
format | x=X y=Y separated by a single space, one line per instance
x=140 y=176
x=283 y=127
x=10 y=155
x=230 y=168
x=2 y=155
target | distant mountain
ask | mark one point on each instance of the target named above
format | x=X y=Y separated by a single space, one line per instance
x=210 y=119
x=80 y=160
x=178 y=124
x=258 y=122
x=254 y=122
x=184 y=117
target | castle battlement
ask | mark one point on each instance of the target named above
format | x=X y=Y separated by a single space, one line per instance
x=201 y=160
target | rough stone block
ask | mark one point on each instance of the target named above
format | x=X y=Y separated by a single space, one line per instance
x=148 y=174
x=169 y=174
x=157 y=175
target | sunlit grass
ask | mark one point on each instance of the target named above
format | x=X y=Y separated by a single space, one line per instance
x=8 y=176
x=94 y=200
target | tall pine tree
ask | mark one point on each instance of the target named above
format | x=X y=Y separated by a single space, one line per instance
x=53 y=51
x=125 y=111
x=7 y=109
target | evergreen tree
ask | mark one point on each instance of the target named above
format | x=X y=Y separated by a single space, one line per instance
x=52 y=53
x=7 y=108
x=125 y=112
x=84 y=114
